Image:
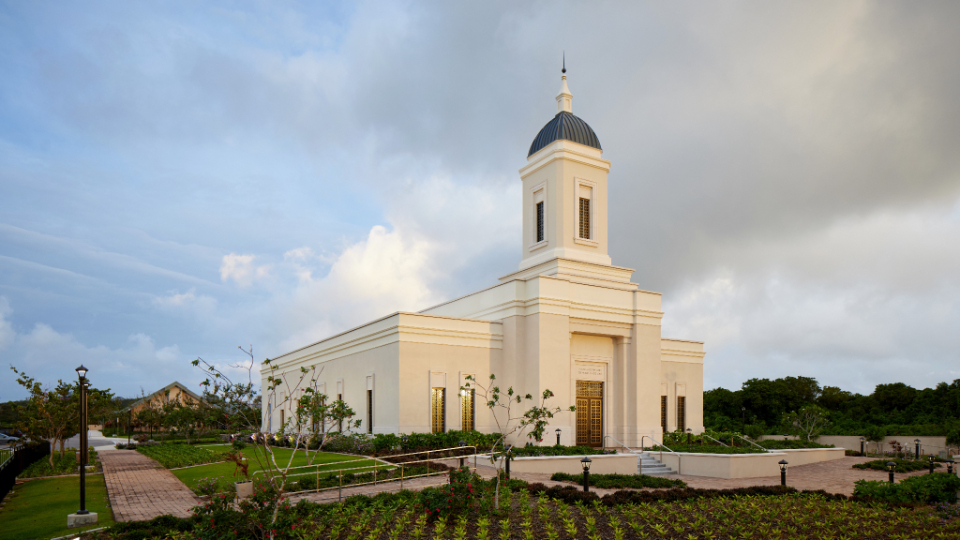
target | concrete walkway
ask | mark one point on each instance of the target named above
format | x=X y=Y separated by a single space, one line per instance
x=140 y=489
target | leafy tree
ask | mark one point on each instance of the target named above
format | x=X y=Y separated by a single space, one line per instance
x=808 y=422
x=894 y=397
x=509 y=425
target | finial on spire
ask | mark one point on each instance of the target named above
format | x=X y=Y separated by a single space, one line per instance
x=564 y=99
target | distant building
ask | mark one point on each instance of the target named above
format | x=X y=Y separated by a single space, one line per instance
x=566 y=320
x=170 y=393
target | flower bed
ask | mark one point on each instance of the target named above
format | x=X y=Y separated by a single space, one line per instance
x=179 y=455
x=773 y=444
x=620 y=481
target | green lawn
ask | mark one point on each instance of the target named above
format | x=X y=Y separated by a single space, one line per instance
x=39 y=508
x=224 y=470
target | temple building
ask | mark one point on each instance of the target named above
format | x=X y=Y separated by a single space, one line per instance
x=566 y=320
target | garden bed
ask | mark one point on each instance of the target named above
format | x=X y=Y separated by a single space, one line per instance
x=180 y=455
x=621 y=481
x=709 y=449
x=541 y=451
x=61 y=466
x=902 y=465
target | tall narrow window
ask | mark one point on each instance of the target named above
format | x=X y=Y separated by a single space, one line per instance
x=540 y=235
x=369 y=411
x=663 y=413
x=467 y=409
x=681 y=413
x=584 y=218
x=282 y=418
x=438 y=409
x=340 y=422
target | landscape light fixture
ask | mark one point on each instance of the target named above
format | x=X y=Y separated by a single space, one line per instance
x=689 y=432
x=783 y=472
x=917 y=442
x=558 y=436
x=950 y=467
x=462 y=443
x=83 y=516
x=506 y=456
x=890 y=466
x=861 y=446
x=931 y=463
x=743 y=420
x=585 y=463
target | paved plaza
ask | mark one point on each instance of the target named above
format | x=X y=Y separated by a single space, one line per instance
x=140 y=489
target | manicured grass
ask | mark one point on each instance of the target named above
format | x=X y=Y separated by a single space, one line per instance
x=65 y=465
x=224 y=470
x=181 y=455
x=39 y=508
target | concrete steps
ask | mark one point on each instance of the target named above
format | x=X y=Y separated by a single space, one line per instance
x=650 y=465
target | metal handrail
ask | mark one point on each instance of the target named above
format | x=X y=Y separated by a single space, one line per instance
x=662 y=446
x=605 y=437
x=712 y=439
x=751 y=442
x=383 y=464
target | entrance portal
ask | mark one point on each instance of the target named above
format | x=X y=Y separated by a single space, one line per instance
x=589 y=413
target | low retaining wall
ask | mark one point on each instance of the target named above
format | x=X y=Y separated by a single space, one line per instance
x=745 y=465
x=605 y=464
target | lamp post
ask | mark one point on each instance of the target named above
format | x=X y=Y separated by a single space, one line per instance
x=558 y=436
x=890 y=466
x=462 y=443
x=783 y=472
x=950 y=467
x=83 y=516
x=585 y=463
x=404 y=439
x=931 y=463
x=689 y=432
x=917 y=442
x=743 y=420
x=861 y=446
x=506 y=456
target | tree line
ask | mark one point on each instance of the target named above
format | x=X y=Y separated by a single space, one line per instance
x=764 y=406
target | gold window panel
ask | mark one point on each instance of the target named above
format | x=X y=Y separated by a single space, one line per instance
x=438 y=409
x=584 y=218
x=590 y=413
x=681 y=413
x=663 y=413
x=467 y=411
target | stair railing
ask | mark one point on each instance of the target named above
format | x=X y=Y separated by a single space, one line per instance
x=712 y=439
x=662 y=446
x=753 y=443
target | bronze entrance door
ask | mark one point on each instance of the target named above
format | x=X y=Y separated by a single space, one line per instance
x=589 y=413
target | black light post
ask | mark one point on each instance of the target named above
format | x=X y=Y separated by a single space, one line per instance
x=743 y=420
x=931 y=463
x=917 y=442
x=404 y=439
x=783 y=472
x=462 y=443
x=891 y=465
x=689 y=432
x=558 y=436
x=129 y=421
x=82 y=372
x=862 y=453
x=585 y=463
x=506 y=456
x=950 y=467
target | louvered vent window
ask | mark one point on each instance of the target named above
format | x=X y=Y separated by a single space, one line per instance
x=467 y=409
x=584 y=218
x=540 y=221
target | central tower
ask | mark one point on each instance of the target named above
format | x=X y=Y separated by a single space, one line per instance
x=565 y=191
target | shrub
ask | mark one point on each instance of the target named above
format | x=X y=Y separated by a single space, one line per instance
x=459 y=494
x=928 y=488
x=774 y=444
x=903 y=465
x=620 y=481
x=705 y=449
x=537 y=451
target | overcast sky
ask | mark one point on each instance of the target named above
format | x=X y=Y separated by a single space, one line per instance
x=180 y=178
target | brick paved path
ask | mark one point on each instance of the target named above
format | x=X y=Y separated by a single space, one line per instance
x=140 y=489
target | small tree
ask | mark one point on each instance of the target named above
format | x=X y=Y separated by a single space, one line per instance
x=535 y=419
x=953 y=438
x=242 y=408
x=876 y=434
x=808 y=422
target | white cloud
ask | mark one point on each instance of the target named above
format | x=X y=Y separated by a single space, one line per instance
x=6 y=329
x=240 y=269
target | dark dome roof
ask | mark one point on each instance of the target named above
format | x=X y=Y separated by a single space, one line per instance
x=565 y=126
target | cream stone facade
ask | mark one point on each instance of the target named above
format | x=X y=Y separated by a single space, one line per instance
x=567 y=320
